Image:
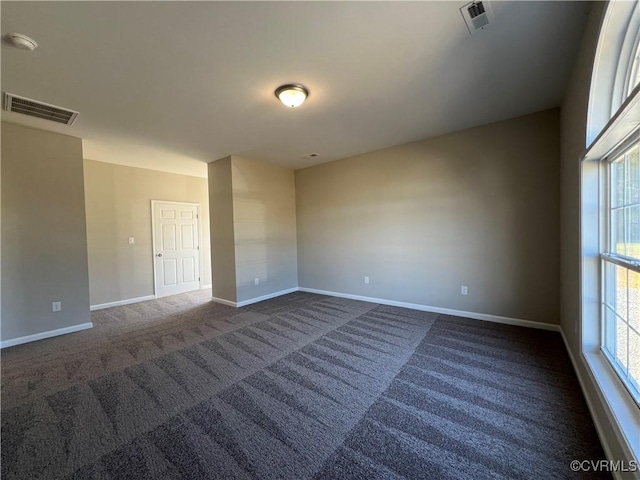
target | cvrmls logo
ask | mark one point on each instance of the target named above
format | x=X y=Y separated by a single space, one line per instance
x=604 y=466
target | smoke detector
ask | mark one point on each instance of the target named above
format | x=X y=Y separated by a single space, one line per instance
x=477 y=15
x=21 y=41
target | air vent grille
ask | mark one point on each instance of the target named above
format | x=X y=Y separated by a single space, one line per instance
x=34 y=108
x=477 y=15
x=476 y=9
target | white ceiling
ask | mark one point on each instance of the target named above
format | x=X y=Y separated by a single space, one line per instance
x=173 y=85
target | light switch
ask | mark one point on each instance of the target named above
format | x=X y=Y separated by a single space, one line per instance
x=131 y=241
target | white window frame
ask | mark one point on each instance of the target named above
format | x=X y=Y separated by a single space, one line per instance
x=610 y=82
x=624 y=412
x=633 y=68
x=607 y=257
x=612 y=119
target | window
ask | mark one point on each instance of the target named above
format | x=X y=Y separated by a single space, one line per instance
x=617 y=65
x=628 y=61
x=620 y=339
x=634 y=77
x=609 y=327
x=611 y=201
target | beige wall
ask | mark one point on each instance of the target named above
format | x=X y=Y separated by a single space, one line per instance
x=264 y=217
x=574 y=135
x=477 y=207
x=223 y=264
x=118 y=205
x=44 y=243
x=253 y=225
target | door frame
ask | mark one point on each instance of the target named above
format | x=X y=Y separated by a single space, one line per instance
x=153 y=240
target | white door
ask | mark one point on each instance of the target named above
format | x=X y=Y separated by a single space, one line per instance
x=176 y=244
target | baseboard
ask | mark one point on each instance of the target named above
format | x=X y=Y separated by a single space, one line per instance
x=204 y=287
x=244 y=303
x=413 y=306
x=43 y=335
x=594 y=417
x=128 y=301
x=597 y=421
x=229 y=303
x=445 y=311
x=266 y=297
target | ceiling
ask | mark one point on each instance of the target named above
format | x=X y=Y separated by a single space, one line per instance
x=174 y=85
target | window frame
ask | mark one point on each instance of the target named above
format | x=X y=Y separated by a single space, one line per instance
x=612 y=113
x=608 y=255
x=610 y=80
x=633 y=69
x=625 y=59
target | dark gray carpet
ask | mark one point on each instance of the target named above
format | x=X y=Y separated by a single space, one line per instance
x=303 y=386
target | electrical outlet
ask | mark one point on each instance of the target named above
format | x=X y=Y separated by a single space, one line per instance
x=464 y=290
x=256 y=281
x=131 y=241
x=366 y=280
x=56 y=306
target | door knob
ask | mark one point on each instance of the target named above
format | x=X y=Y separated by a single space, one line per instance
x=159 y=255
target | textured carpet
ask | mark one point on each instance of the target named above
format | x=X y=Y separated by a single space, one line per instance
x=302 y=386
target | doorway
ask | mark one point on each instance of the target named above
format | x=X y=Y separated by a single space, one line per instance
x=176 y=247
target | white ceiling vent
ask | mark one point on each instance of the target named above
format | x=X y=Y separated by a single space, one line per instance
x=477 y=15
x=34 y=108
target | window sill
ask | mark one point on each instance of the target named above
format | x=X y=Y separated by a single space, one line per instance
x=626 y=414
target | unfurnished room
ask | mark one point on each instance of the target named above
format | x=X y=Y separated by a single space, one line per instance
x=320 y=240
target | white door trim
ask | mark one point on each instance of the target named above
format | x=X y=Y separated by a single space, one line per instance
x=153 y=239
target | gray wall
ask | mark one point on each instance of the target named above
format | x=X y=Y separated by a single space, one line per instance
x=44 y=242
x=223 y=266
x=477 y=207
x=264 y=216
x=253 y=228
x=118 y=204
x=574 y=135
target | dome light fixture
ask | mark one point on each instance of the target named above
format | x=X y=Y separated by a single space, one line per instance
x=292 y=95
x=21 y=41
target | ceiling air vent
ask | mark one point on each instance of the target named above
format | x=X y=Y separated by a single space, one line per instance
x=34 y=108
x=477 y=15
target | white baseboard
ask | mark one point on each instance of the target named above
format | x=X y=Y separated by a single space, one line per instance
x=229 y=303
x=267 y=297
x=255 y=299
x=446 y=311
x=43 y=335
x=592 y=411
x=204 y=287
x=413 y=306
x=128 y=301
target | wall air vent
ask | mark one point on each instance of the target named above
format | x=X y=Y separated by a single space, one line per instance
x=34 y=108
x=477 y=15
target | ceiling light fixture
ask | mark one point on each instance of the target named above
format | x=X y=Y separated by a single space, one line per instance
x=21 y=41
x=292 y=95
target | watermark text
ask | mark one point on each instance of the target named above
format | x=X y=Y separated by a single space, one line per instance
x=604 y=466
